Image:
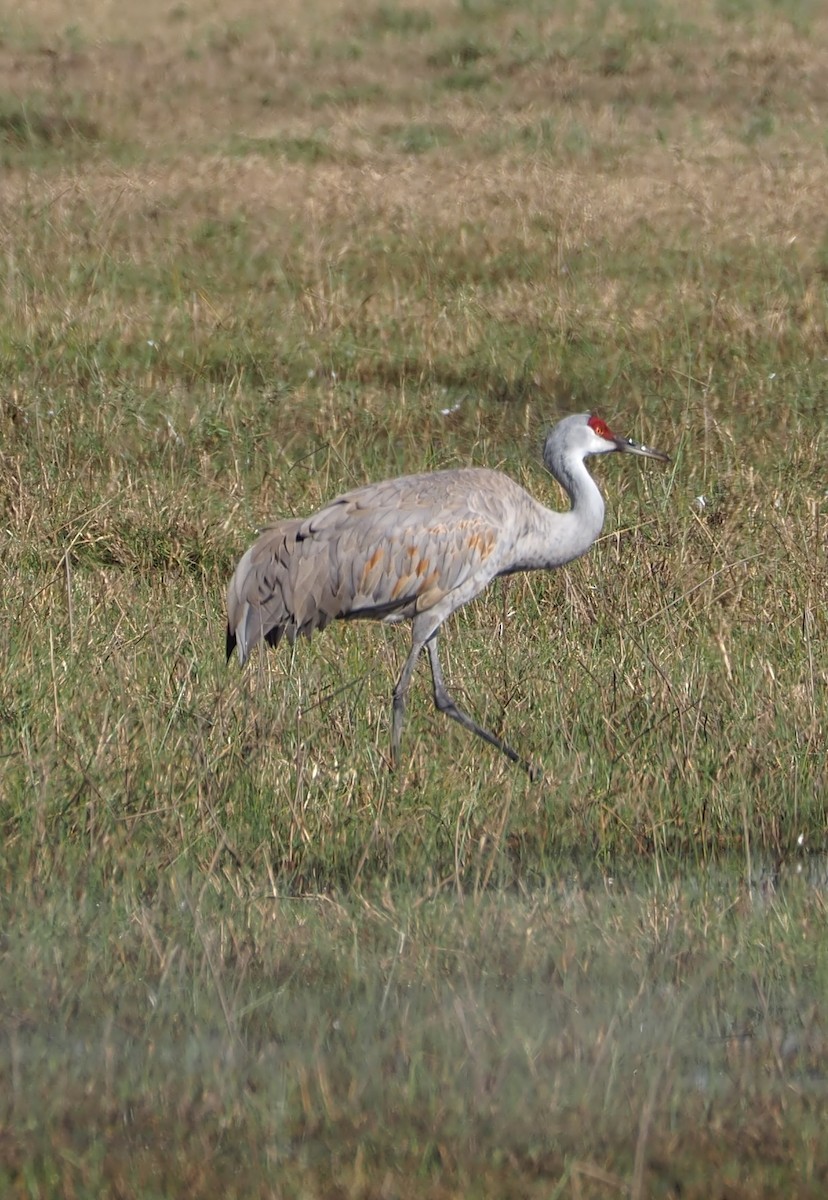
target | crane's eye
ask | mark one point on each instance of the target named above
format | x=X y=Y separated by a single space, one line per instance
x=601 y=428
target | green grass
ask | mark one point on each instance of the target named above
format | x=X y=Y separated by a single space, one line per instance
x=246 y=265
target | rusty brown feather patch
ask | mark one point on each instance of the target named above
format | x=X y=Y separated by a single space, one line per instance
x=371 y=563
x=481 y=543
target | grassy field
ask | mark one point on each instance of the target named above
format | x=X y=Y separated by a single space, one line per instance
x=254 y=254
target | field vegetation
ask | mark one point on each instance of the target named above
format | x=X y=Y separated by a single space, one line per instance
x=254 y=254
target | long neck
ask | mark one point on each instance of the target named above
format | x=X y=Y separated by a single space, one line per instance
x=586 y=516
x=552 y=538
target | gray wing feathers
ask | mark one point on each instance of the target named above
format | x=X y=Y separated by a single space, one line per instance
x=394 y=548
x=260 y=594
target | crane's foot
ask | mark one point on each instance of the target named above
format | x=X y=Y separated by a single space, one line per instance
x=446 y=704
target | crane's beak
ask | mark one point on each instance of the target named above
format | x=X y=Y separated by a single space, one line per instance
x=628 y=446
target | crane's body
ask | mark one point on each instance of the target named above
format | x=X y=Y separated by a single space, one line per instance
x=418 y=547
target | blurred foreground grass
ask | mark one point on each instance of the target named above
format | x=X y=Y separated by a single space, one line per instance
x=204 y=1041
x=252 y=258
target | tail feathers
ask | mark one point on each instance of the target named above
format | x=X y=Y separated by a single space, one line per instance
x=274 y=635
x=280 y=588
x=245 y=632
x=249 y=623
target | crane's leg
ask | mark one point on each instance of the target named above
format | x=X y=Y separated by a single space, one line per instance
x=446 y=705
x=401 y=695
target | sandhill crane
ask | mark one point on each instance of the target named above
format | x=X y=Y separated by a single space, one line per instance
x=419 y=547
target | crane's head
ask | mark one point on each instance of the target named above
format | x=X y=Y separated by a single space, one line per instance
x=577 y=437
x=604 y=440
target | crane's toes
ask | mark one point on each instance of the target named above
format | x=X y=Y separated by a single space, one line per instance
x=534 y=771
